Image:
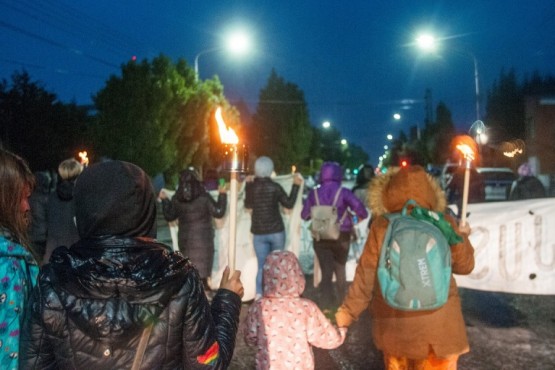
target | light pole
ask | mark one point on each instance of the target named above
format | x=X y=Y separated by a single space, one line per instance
x=429 y=43
x=237 y=43
x=202 y=53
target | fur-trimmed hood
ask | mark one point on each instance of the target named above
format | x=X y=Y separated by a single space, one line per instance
x=389 y=193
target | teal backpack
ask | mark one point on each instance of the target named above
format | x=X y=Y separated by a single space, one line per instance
x=414 y=269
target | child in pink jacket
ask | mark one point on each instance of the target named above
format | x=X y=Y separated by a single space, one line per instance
x=282 y=325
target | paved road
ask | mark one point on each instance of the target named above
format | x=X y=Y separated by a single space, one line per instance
x=506 y=332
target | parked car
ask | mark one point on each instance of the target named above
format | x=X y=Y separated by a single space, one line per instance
x=497 y=181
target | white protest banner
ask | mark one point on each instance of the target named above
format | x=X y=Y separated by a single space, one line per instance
x=514 y=245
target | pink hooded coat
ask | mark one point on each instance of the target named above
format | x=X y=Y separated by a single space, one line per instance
x=282 y=325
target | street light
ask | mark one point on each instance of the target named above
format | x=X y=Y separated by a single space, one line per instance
x=429 y=43
x=326 y=124
x=237 y=43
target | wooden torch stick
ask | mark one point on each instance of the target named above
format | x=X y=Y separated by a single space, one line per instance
x=465 y=192
x=232 y=220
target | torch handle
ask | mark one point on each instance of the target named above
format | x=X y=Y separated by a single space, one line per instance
x=465 y=195
x=232 y=220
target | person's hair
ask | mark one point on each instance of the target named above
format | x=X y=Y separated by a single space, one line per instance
x=15 y=179
x=69 y=169
x=365 y=174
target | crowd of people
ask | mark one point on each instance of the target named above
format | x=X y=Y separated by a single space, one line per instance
x=85 y=283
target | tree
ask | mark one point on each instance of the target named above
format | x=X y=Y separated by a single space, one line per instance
x=199 y=143
x=505 y=109
x=139 y=114
x=281 y=127
x=440 y=135
x=157 y=116
x=37 y=126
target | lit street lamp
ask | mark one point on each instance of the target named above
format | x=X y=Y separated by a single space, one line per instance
x=429 y=43
x=237 y=43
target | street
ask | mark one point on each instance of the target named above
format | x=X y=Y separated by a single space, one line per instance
x=506 y=331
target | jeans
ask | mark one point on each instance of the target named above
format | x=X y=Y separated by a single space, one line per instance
x=264 y=244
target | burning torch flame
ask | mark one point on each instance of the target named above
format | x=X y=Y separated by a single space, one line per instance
x=466 y=151
x=227 y=135
x=83 y=158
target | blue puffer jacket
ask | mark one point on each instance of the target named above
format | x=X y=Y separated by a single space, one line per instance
x=330 y=182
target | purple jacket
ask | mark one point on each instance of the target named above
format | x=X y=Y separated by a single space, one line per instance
x=330 y=181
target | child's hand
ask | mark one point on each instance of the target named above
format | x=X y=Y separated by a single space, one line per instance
x=234 y=283
x=343 y=331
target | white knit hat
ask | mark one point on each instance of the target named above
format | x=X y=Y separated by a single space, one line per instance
x=263 y=167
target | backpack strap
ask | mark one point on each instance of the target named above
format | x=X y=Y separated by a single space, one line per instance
x=335 y=201
x=316 y=197
x=336 y=196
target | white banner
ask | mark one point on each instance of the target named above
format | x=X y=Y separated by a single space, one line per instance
x=514 y=245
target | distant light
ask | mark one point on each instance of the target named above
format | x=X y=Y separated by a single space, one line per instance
x=385 y=147
x=326 y=124
x=427 y=42
x=238 y=42
x=343 y=142
x=389 y=137
x=404 y=163
x=396 y=116
x=134 y=58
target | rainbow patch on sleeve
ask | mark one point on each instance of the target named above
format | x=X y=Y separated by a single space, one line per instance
x=210 y=356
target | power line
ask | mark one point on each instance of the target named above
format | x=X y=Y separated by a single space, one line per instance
x=55 y=43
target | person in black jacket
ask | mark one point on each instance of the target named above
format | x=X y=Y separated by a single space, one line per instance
x=60 y=210
x=38 y=201
x=117 y=285
x=527 y=186
x=194 y=208
x=264 y=197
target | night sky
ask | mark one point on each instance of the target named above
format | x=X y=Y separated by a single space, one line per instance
x=355 y=61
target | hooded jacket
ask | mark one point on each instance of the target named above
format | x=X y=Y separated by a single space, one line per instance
x=18 y=276
x=404 y=333
x=94 y=300
x=194 y=208
x=330 y=182
x=282 y=325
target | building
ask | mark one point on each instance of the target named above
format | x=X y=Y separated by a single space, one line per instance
x=540 y=137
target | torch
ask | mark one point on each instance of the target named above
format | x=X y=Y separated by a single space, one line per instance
x=235 y=161
x=83 y=158
x=467 y=147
